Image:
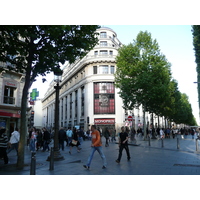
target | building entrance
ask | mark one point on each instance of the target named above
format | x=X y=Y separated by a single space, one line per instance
x=102 y=124
x=102 y=128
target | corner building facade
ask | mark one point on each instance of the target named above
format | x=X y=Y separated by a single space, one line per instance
x=11 y=84
x=88 y=95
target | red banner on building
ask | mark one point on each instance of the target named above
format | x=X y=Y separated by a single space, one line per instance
x=104 y=121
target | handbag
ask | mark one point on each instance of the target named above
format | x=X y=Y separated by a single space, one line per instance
x=74 y=142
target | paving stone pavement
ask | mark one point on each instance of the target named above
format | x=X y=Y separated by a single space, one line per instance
x=145 y=160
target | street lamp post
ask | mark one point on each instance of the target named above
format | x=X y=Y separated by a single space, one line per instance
x=57 y=78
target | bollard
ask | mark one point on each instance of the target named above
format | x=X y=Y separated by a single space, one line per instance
x=149 y=141
x=162 y=142
x=178 y=146
x=51 y=161
x=197 y=145
x=33 y=163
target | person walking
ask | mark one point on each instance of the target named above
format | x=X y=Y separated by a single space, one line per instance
x=192 y=133
x=107 y=135
x=96 y=146
x=39 y=139
x=74 y=141
x=61 y=138
x=80 y=136
x=173 y=133
x=162 y=134
x=123 y=144
x=3 y=145
x=46 y=139
x=69 y=135
x=14 y=141
x=112 y=133
x=33 y=140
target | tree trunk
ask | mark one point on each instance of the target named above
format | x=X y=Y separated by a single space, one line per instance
x=152 y=121
x=144 y=123
x=23 y=125
x=159 y=122
x=153 y=129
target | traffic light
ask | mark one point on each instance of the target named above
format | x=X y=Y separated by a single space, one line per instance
x=88 y=120
x=32 y=118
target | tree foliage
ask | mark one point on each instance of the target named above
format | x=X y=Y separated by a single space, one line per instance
x=37 y=50
x=143 y=73
x=196 y=44
x=143 y=76
x=44 y=47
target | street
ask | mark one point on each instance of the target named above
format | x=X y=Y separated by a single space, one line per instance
x=145 y=160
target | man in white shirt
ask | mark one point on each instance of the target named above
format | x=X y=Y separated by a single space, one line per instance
x=162 y=134
x=14 y=141
x=69 y=134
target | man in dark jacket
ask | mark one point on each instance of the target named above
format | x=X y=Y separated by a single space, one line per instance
x=61 y=137
x=46 y=138
x=3 y=145
x=123 y=144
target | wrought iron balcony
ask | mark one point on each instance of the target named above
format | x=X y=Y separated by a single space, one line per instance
x=9 y=100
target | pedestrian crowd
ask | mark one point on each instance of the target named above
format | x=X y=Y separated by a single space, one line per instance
x=161 y=133
x=39 y=139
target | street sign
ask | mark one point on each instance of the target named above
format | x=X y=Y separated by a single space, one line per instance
x=130 y=118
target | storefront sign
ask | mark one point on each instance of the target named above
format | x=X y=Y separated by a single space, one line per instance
x=9 y=114
x=104 y=121
x=11 y=84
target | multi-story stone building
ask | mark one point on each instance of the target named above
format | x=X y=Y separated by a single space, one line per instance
x=11 y=84
x=88 y=94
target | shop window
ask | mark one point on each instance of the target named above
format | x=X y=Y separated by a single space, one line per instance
x=104 y=98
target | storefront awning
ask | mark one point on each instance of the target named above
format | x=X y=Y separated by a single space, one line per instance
x=9 y=114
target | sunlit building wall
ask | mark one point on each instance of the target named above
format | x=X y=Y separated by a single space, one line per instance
x=88 y=94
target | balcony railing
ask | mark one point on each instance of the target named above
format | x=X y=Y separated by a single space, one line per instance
x=106 y=45
x=9 y=100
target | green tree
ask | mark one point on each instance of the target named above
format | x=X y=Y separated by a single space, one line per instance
x=184 y=111
x=143 y=75
x=38 y=50
x=196 y=43
x=181 y=110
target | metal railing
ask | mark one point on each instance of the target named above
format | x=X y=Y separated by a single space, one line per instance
x=9 y=100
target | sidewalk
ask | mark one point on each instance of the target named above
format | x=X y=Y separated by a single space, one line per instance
x=145 y=160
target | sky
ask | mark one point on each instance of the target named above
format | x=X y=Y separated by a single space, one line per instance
x=175 y=42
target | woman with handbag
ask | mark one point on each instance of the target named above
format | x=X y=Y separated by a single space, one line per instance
x=74 y=141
